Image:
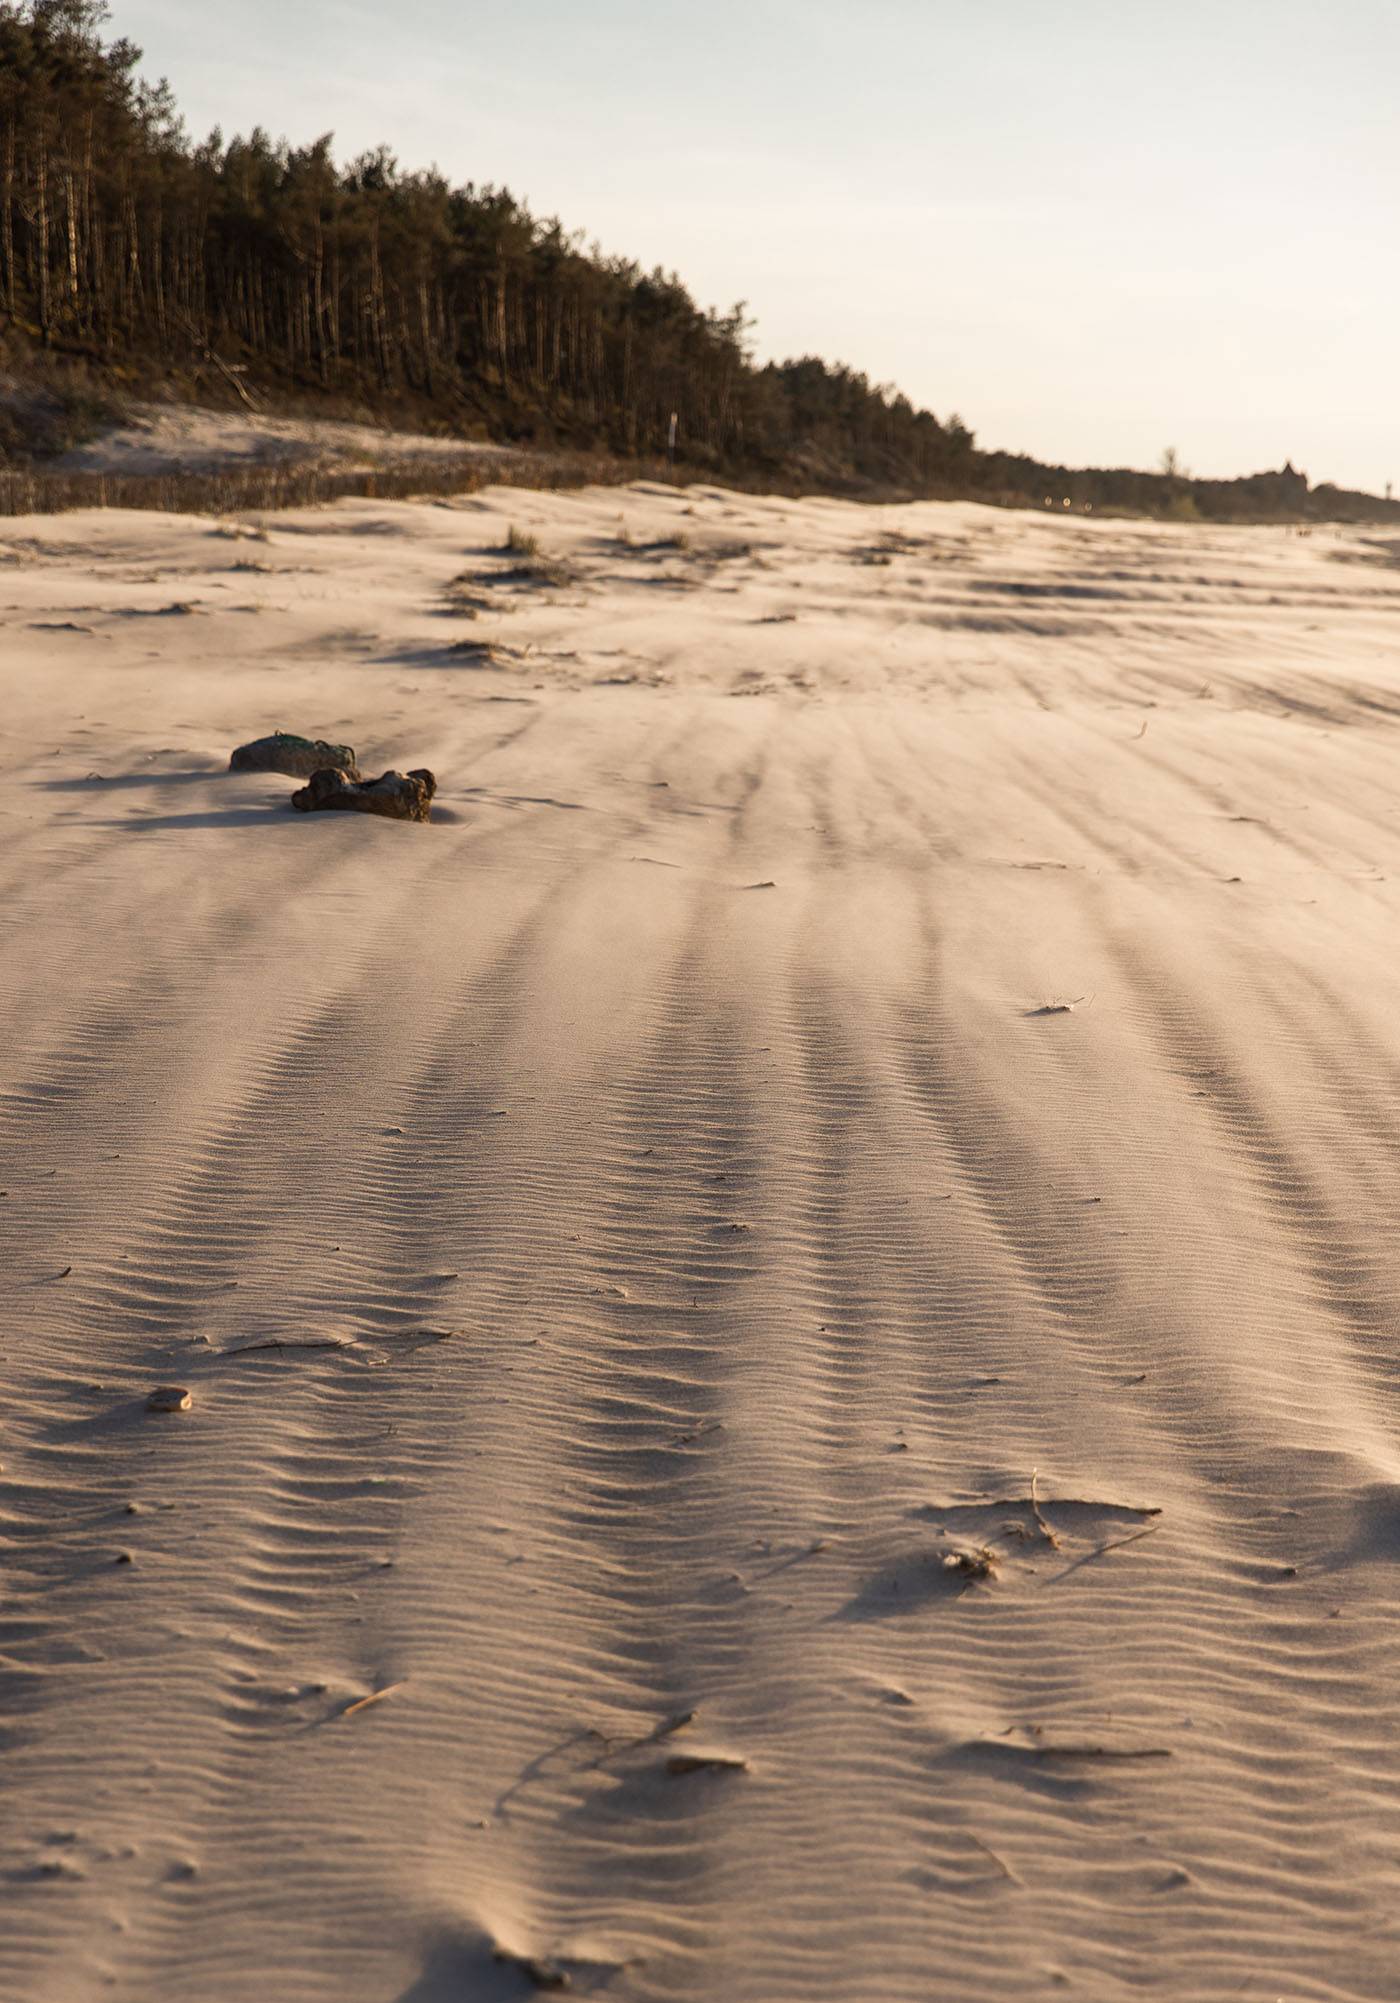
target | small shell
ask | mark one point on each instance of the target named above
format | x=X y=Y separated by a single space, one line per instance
x=169 y=1398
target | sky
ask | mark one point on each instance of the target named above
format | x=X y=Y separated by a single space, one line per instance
x=1093 y=228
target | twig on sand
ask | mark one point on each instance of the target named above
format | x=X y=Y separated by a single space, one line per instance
x=374 y=1697
x=251 y=1348
x=1060 y=1501
x=1041 y=1525
x=1119 y=1542
x=1102 y=1550
x=675 y=1723
x=1000 y=1862
x=1091 y=1751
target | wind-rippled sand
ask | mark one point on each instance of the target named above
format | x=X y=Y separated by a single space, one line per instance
x=622 y=1238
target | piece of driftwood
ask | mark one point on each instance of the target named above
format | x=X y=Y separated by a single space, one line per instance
x=400 y=796
x=374 y=1697
x=683 y=1763
x=297 y=757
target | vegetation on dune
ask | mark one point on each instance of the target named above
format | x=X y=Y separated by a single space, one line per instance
x=131 y=257
x=234 y=490
x=255 y=265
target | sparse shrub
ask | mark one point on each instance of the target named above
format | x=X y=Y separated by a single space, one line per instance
x=538 y=570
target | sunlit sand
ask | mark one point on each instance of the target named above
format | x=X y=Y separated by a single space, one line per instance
x=789 y=1311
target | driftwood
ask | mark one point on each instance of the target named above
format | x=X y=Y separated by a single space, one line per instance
x=297 y=757
x=683 y=1763
x=374 y=1697
x=401 y=796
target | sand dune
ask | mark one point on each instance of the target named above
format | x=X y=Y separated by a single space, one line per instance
x=655 y=1245
x=187 y=438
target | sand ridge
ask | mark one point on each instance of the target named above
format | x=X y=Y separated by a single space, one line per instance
x=624 y=1239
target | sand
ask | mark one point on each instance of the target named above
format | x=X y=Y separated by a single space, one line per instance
x=624 y=1239
x=189 y=438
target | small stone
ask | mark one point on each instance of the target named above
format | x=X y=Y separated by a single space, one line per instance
x=399 y=796
x=296 y=757
x=169 y=1398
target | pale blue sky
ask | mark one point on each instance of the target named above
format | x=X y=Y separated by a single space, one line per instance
x=1093 y=227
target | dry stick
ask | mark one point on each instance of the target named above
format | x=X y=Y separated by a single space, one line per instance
x=668 y=1726
x=250 y=1348
x=1044 y=1528
x=1102 y=1551
x=374 y=1697
x=1000 y=1862
x=1119 y=1542
x=1090 y=1752
x=230 y=375
x=1022 y=1501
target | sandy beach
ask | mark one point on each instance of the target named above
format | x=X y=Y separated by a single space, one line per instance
x=802 y=1287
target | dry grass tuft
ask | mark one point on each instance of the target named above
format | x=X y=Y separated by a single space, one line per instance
x=972 y=1566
